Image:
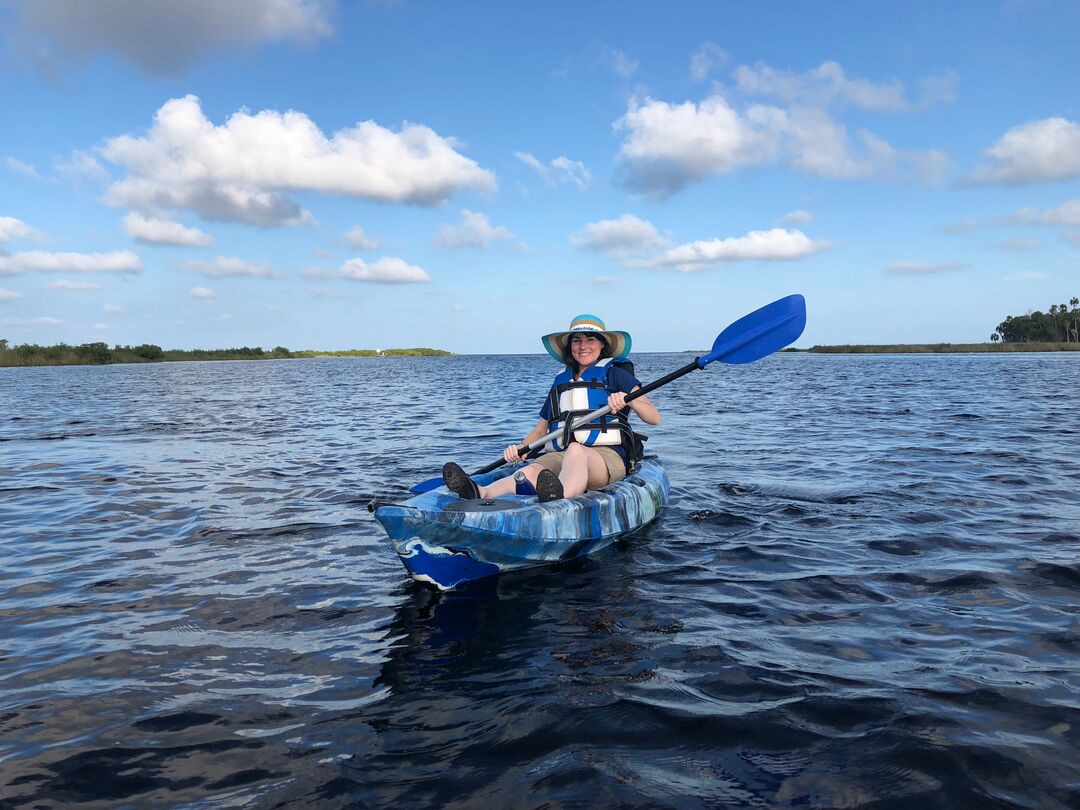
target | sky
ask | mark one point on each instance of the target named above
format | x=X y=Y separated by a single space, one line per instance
x=322 y=174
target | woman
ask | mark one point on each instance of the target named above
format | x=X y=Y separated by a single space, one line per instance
x=588 y=457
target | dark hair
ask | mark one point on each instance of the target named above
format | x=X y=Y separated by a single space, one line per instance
x=568 y=356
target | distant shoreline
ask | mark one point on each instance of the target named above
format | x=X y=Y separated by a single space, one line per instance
x=99 y=354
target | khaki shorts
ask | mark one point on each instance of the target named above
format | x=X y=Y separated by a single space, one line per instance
x=615 y=465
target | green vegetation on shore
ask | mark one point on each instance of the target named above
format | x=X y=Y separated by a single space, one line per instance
x=1060 y=325
x=90 y=354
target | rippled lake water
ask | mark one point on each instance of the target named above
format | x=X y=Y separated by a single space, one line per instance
x=864 y=592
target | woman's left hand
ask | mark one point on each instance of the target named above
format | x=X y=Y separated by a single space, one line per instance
x=616 y=401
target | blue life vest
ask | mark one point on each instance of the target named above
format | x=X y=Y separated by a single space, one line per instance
x=571 y=399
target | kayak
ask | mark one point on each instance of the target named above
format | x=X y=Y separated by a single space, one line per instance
x=445 y=541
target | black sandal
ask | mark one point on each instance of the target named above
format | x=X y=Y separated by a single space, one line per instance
x=548 y=486
x=458 y=482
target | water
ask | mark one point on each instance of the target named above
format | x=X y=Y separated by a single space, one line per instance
x=864 y=592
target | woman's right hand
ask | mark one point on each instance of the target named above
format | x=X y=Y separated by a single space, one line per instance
x=510 y=454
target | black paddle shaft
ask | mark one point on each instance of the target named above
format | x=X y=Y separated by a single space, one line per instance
x=645 y=389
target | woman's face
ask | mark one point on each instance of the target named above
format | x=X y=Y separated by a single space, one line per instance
x=585 y=348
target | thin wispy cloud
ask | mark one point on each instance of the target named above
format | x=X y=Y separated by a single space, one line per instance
x=961 y=227
x=73 y=286
x=318 y=272
x=203 y=293
x=229 y=267
x=42 y=321
x=9 y=295
x=1018 y=245
x=827 y=85
x=25 y=169
x=619 y=63
x=81 y=166
x=117 y=261
x=796 y=217
x=924 y=268
x=560 y=170
x=359 y=239
x=707 y=60
x=1068 y=213
x=474 y=231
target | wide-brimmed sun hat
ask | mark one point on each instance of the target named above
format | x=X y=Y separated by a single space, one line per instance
x=618 y=342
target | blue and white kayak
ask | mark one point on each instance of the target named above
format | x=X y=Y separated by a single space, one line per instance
x=445 y=541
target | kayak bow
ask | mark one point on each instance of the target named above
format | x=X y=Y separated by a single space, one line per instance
x=445 y=541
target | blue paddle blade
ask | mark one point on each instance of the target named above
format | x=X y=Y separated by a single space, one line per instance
x=760 y=333
x=426 y=486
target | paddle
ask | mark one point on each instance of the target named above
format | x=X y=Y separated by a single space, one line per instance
x=750 y=338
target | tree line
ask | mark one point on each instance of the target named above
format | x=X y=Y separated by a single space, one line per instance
x=89 y=354
x=1060 y=325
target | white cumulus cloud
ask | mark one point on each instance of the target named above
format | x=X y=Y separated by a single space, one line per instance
x=389 y=270
x=359 y=239
x=623 y=238
x=229 y=267
x=559 y=170
x=475 y=231
x=164 y=36
x=670 y=145
x=118 y=261
x=776 y=244
x=240 y=171
x=203 y=293
x=12 y=228
x=1036 y=152
x=156 y=231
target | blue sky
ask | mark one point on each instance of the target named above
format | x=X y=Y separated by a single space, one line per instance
x=471 y=175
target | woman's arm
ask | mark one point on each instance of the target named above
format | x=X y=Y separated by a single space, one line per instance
x=511 y=452
x=641 y=406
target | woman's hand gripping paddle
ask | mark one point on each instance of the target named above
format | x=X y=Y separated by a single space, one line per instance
x=752 y=337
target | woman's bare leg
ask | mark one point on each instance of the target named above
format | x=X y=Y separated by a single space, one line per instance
x=583 y=468
x=506 y=486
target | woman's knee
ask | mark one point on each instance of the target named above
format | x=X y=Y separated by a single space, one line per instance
x=576 y=450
